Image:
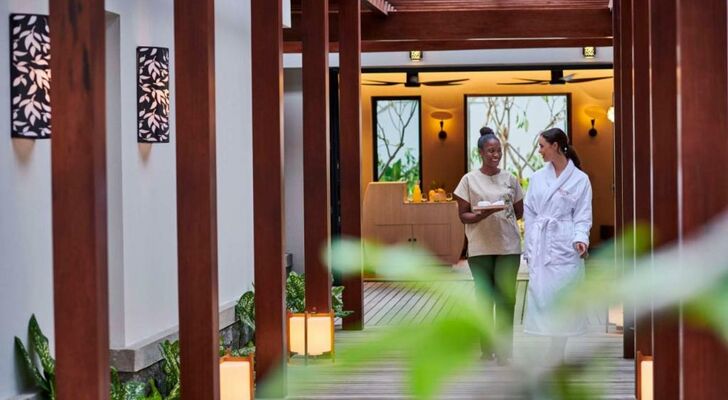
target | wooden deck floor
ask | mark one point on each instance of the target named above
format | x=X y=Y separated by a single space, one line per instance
x=390 y=303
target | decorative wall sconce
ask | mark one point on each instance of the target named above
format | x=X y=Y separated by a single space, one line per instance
x=645 y=377
x=236 y=378
x=415 y=55
x=589 y=51
x=593 y=131
x=594 y=113
x=153 y=95
x=30 y=76
x=610 y=114
x=442 y=116
x=311 y=334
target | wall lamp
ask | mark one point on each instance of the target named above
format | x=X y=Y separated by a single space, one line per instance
x=442 y=116
x=594 y=112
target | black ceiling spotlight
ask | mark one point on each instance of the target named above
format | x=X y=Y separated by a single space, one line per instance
x=593 y=131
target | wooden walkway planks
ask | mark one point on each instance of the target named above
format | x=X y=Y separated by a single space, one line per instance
x=388 y=303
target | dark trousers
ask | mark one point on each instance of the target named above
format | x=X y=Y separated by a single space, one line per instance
x=495 y=286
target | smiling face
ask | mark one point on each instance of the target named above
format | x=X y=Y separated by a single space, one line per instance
x=549 y=151
x=492 y=153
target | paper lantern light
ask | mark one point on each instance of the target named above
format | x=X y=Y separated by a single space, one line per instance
x=236 y=378
x=311 y=334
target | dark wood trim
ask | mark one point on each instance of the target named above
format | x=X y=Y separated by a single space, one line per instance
x=465 y=114
x=703 y=108
x=627 y=129
x=663 y=67
x=642 y=145
x=618 y=211
x=316 y=153
x=78 y=171
x=350 y=150
x=270 y=276
x=473 y=24
x=194 y=38
x=371 y=46
x=374 y=100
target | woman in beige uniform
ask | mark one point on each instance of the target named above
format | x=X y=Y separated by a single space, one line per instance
x=494 y=242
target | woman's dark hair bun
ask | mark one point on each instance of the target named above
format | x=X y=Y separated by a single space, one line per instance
x=486 y=131
x=486 y=134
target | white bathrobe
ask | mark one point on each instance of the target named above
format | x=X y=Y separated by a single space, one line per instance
x=557 y=214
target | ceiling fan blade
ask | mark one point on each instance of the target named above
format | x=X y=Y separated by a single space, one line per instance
x=372 y=82
x=450 y=82
x=523 y=83
x=581 y=80
x=533 y=80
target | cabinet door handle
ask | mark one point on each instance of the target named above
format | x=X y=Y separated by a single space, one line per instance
x=414 y=239
x=409 y=239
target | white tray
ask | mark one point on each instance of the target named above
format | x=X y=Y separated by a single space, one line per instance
x=491 y=207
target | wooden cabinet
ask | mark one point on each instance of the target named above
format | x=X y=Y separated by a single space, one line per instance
x=389 y=219
x=434 y=237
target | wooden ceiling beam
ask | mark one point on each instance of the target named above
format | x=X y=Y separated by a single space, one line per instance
x=381 y=6
x=469 y=25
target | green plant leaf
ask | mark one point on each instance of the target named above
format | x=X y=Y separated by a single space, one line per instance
x=175 y=393
x=245 y=310
x=31 y=367
x=337 y=303
x=40 y=345
x=171 y=366
x=245 y=351
x=155 y=395
x=135 y=390
x=444 y=359
x=295 y=293
x=117 y=390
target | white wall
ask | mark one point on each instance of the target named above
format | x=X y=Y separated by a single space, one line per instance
x=148 y=186
x=142 y=215
x=26 y=280
x=293 y=166
x=234 y=148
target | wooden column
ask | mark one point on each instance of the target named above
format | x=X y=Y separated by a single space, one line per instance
x=349 y=148
x=617 y=48
x=642 y=144
x=270 y=276
x=78 y=166
x=194 y=40
x=663 y=67
x=703 y=110
x=316 y=152
x=627 y=129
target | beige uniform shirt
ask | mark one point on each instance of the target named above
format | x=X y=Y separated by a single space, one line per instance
x=498 y=233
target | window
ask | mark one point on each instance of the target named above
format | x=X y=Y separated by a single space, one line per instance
x=397 y=144
x=517 y=120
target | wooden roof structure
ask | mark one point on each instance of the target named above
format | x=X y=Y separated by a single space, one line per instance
x=399 y=25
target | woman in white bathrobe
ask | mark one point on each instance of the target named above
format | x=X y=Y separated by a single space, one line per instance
x=558 y=217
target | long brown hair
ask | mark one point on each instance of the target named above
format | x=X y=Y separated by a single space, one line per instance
x=556 y=135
